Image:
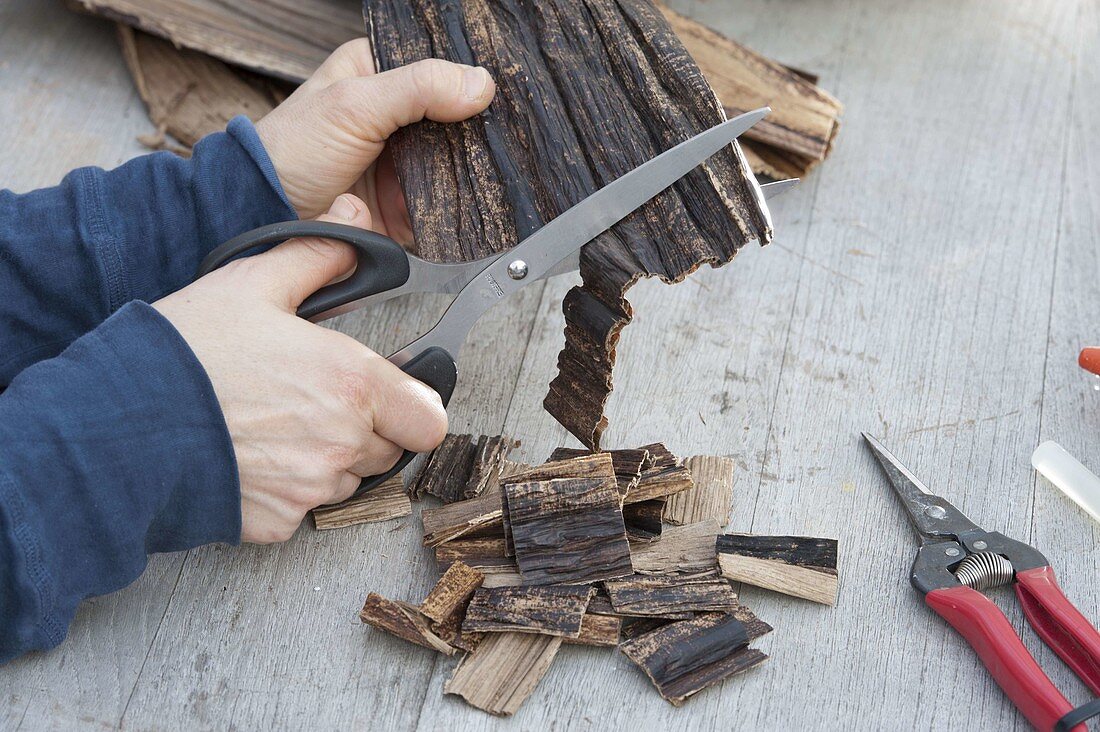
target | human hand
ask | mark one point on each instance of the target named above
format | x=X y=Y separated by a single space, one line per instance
x=328 y=137
x=309 y=410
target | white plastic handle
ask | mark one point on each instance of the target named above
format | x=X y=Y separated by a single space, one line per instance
x=1069 y=476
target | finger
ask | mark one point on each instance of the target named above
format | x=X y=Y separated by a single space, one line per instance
x=379 y=455
x=354 y=58
x=391 y=200
x=373 y=107
x=349 y=483
x=296 y=269
x=406 y=411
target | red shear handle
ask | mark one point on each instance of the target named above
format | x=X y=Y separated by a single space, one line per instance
x=1060 y=624
x=988 y=632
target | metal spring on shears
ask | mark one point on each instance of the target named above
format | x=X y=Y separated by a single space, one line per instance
x=984 y=571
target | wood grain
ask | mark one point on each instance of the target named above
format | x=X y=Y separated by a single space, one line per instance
x=285 y=40
x=681 y=549
x=503 y=671
x=550 y=610
x=660 y=596
x=711 y=494
x=387 y=501
x=800 y=566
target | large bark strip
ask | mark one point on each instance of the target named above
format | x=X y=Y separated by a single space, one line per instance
x=551 y=610
x=387 y=501
x=686 y=549
x=799 y=132
x=800 y=566
x=568 y=530
x=403 y=620
x=281 y=39
x=710 y=496
x=503 y=671
x=684 y=658
x=659 y=596
x=587 y=90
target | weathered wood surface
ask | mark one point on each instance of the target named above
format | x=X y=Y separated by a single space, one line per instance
x=920 y=248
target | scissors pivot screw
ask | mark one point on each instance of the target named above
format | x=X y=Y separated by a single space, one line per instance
x=980 y=545
x=951 y=551
x=935 y=512
x=517 y=270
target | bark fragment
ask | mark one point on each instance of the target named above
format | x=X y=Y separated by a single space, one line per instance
x=551 y=610
x=387 y=501
x=461 y=468
x=661 y=596
x=452 y=592
x=503 y=670
x=685 y=657
x=710 y=496
x=800 y=566
x=568 y=530
x=473 y=517
x=403 y=620
x=598 y=630
x=687 y=549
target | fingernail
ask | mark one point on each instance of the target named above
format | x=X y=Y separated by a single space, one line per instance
x=1089 y=360
x=343 y=208
x=474 y=81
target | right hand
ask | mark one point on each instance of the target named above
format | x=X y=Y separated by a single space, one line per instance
x=310 y=410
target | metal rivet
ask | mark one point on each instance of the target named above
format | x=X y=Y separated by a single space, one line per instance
x=980 y=545
x=951 y=551
x=936 y=512
x=517 y=270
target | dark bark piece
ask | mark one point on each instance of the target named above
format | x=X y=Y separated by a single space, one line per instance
x=503 y=671
x=662 y=475
x=794 y=565
x=187 y=94
x=636 y=627
x=473 y=517
x=461 y=468
x=598 y=630
x=452 y=592
x=484 y=554
x=643 y=520
x=754 y=626
x=551 y=610
x=586 y=91
x=681 y=549
x=568 y=530
x=403 y=620
x=804 y=120
x=627 y=464
x=385 y=502
x=710 y=496
x=686 y=657
x=661 y=596
x=285 y=40
x=583 y=465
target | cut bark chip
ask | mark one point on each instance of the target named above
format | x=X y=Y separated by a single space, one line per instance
x=710 y=496
x=452 y=592
x=403 y=620
x=387 y=501
x=664 y=596
x=503 y=671
x=473 y=517
x=799 y=566
x=462 y=468
x=550 y=610
x=686 y=657
x=598 y=630
x=568 y=530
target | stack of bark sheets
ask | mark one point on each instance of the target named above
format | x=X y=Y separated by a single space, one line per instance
x=617 y=549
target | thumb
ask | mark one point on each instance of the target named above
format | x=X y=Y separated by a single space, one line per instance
x=433 y=88
x=296 y=269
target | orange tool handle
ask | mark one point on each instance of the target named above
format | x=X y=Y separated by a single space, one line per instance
x=1089 y=360
x=1060 y=624
x=989 y=633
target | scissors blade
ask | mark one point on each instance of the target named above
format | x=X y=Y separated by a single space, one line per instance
x=574 y=228
x=933 y=517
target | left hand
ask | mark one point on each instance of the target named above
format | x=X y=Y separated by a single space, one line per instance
x=328 y=137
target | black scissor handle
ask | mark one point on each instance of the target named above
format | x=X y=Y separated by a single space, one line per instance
x=382 y=264
x=436 y=368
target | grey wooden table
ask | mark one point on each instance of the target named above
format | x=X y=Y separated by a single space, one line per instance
x=931 y=284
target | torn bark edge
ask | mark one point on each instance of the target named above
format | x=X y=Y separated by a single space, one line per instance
x=402 y=620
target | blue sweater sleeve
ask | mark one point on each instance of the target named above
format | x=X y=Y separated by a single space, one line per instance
x=72 y=255
x=108 y=452
x=112 y=443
